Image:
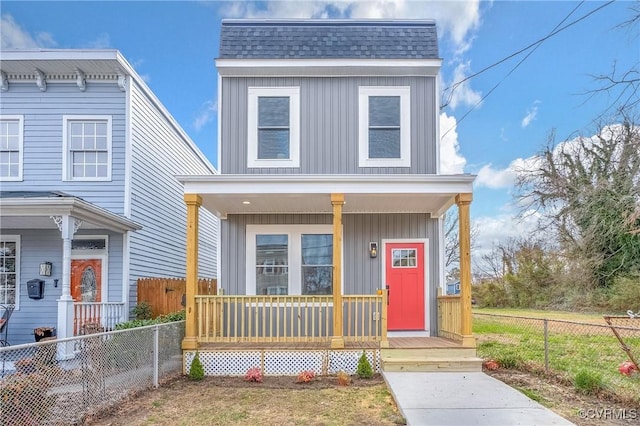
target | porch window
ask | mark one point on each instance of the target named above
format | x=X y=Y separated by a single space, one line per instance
x=317 y=263
x=272 y=264
x=289 y=259
x=9 y=269
x=273 y=126
x=11 y=148
x=384 y=128
x=87 y=147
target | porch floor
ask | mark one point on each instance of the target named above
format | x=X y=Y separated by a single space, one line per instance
x=394 y=343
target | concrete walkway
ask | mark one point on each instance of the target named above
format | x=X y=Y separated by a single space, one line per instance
x=464 y=399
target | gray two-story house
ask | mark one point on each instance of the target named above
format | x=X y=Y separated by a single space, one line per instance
x=329 y=192
x=89 y=201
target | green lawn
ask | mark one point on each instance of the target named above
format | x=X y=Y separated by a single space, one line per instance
x=538 y=313
x=519 y=342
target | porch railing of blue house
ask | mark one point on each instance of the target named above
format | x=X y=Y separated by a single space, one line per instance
x=279 y=319
x=104 y=314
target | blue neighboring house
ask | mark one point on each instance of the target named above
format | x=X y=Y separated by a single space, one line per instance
x=89 y=199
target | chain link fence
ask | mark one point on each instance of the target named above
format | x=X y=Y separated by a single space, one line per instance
x=63 y=382
x=563 y=347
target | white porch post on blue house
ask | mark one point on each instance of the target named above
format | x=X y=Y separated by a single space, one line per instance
x=68 y=226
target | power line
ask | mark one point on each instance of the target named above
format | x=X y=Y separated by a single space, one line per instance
x=535 y=45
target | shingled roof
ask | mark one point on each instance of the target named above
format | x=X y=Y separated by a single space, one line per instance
x=327 y=39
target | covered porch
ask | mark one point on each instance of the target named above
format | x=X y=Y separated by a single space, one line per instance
x=34 y=218
x=297 y=321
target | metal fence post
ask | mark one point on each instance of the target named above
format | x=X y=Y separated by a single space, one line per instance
x=546 y=345
x=156 y=352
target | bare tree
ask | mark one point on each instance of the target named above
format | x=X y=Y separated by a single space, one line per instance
x=452 y=238
x=588 y=192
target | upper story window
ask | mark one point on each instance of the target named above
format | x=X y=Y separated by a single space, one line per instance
x=87 y=148
x=11 y=147
x=273 y=127
x=9 y=269
x=384 y=134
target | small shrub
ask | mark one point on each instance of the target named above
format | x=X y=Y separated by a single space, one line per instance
x=196 y=372
x=588 y=382
x=24 y=399
x=344 y=379
x=305 y=376
x=364 y=370
x=510 y=361
x=254 y=375
x=171 y=317
x=142 y=311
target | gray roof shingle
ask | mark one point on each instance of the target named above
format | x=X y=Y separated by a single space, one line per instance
x=326 y=39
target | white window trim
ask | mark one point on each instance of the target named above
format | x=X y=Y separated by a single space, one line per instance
x=293 y=233
x=405 y=126
x=20 y=120
x=253 y=94
x=67 y=174
x=15 y=239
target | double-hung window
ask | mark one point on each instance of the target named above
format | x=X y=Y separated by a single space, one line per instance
x=9 y=269
x=11 y=147
x=273 y=127
x=289 y=259
x=87 y=148
x=384 y=134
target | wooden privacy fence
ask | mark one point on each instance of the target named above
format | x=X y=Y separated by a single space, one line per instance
x=166 y=295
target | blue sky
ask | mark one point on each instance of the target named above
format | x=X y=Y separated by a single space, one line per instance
x=172 y=45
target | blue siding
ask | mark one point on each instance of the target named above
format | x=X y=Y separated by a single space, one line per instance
x=43 y=136
x=41 y=245
x=159 y=153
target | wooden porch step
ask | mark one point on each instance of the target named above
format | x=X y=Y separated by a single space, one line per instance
x=456 y=359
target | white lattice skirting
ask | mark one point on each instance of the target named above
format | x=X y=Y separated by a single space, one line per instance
x=282 y=363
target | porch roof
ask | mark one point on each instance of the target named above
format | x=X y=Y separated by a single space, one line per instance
x=246 y=194
x=33 y=210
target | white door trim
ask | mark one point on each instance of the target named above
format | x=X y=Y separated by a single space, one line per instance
x=103 y=255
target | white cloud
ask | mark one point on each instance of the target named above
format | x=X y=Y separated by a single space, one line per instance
x=451 y=162
x=103 y=41
x=493 y=178
x=206 y=114
x=462 y=94
x=494 y=230
x=13 y=36
x=531 y=115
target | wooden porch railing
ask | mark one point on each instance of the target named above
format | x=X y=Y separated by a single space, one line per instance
x=449 y=317
x=287 y=318
x=107 y=314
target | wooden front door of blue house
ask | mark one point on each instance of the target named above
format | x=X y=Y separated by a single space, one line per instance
x=404 y=272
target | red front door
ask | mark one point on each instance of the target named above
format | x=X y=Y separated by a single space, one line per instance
x=405 y=279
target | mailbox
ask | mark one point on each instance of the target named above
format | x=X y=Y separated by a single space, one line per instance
x=35 y=289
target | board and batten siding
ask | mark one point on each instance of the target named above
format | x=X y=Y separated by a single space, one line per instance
x=45 y=245
x=362 y=275
x=43 y=135
x=328 y=124
x=158 y=154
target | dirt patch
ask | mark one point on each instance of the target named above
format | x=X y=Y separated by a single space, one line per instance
x=279 y=400
x=561 y=397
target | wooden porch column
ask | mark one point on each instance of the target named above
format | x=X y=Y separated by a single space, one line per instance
x=193 y=202
x=464 y=231
x=337 y=340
